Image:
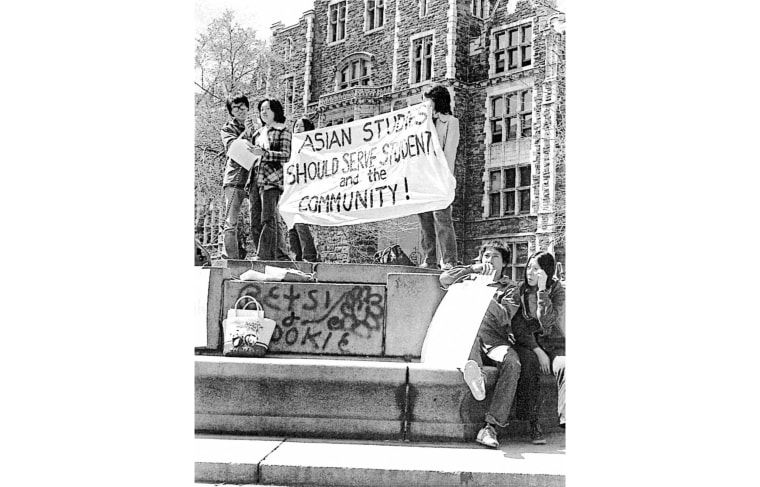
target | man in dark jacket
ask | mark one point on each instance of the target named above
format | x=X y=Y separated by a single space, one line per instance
x=235 y=175
x=494 y=343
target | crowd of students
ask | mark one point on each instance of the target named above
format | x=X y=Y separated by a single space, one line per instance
x=519 y=317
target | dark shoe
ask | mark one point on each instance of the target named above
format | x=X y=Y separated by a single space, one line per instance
x=487 y=436
x=536 y=435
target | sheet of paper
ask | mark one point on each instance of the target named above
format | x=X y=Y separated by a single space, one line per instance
x=240 y=153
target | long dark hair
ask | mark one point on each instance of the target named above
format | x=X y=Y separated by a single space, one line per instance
x=307 y=124
x=276 y=107
x=441 y=99
x=545 y=261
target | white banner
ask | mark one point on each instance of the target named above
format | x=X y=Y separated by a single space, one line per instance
x=378 y=168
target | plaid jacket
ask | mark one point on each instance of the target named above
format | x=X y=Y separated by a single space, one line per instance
x=234 y=174
x=268 y=171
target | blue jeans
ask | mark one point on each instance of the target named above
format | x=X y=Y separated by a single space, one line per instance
x=265 y=224
x=233 y=197
x=302 y=243
x=505 y=388
x=438 y=225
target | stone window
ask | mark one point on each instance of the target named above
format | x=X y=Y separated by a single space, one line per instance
x=512 y=48
x=290 y=95
x=421 y=59
x=354 y=71
x=519 y=257
x=480 y=8
x=509 y=191
x=336 y=22
x=511 y=116
x=423 y=8
x=374 y=14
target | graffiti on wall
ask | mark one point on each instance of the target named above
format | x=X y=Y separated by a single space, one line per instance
x=345 y=319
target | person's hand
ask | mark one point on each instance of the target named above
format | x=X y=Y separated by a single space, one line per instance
x=541 y=276
x=482 y=268
x=249 y=125
x=258 y=151
x=543 y=360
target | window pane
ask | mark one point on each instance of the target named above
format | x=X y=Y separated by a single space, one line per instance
x=512 y=57
x=526 y=53
x=428 y=67
x=520 y=273
x=509 y=178
x=527 y=127
x=495 y=200
x=526 y=34
x=495 y=180
x=365 y=68
x=496 y=132
x=513 y=37
x=521 y=253
x=512 y=103
x=428 y=47
x=500 y=38
x=418 y=71
x=509 y=203
x=371 y=18
x=525 y=176
x=499 y=61
x=525 y=201
x=497 y=106
x=511 y=128
x=527 y=101
x=417 y=50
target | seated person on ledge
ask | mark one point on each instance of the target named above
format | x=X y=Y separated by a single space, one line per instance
x=494 y=340
x=541 y=315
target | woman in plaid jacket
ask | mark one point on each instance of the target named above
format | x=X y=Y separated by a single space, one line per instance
x=271 y=142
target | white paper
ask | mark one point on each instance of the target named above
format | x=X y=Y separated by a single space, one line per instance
x=240 y=153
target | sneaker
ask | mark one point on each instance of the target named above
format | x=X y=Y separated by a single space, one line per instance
x=474 y=379
x=447 y=267
x=487 y=436
x=428 y=266
x=536 y=435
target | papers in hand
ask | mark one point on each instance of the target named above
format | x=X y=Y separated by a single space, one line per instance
x=485 y=278
x=240 y=152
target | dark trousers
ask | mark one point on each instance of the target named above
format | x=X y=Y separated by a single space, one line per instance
x=302 y=243
x=265 y=223
x=528 y=385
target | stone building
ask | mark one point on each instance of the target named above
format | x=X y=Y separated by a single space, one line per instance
x=503 y=63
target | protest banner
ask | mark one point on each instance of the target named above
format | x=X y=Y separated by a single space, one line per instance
x=372 y=169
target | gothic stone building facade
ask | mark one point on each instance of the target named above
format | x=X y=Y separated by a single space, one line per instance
x=503 y=63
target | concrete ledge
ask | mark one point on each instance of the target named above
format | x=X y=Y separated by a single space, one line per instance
x=335 y=398
x=441 y=406
x=412 y=299
x=364 y=273
x=230 y=461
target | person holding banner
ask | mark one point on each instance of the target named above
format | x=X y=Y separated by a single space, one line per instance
x=235 y=175
x=272 y=142
x=493 y=345
x=301 y=241
x=437 y=225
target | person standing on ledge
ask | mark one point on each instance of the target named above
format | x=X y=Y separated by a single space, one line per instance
x=301 y=241
x=235 y=175
x=437 y=225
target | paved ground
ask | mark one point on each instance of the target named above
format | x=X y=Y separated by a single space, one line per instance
x=223 y=460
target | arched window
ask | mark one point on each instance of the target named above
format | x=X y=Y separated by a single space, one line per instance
x=354 y=70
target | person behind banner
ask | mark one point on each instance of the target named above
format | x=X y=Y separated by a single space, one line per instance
x=437 y=225
x=272 y=142
x=493 y=345
x=301 y=241
x=235 y=175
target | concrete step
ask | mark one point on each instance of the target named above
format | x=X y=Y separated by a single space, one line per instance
x=303 y=462
x=344 y=399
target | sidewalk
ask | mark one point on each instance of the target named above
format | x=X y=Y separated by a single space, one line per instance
x=292 y=461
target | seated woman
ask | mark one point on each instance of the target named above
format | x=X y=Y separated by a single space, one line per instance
x=494 y=340
x=541 y=314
